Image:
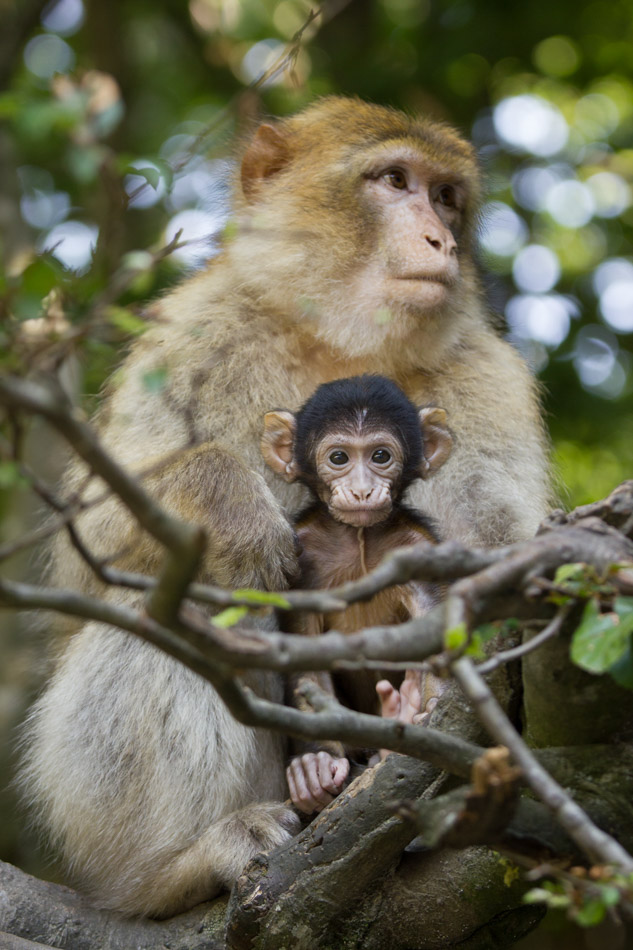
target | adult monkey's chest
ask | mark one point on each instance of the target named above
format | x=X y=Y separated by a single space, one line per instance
x=310 y=363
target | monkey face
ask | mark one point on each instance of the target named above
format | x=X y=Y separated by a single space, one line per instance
x=420 y=208
x=372 y=217
x=357 y=443
x=357 y=475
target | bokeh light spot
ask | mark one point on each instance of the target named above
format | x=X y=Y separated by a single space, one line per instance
x=531 y=186
x=557 y=56
x=47 y=54
x=72 y=243
x=616 y=305
x=544 y=318
x=260 y=57
x=616 y=268
x=611 y=194
x=503 y=231
x=200 y=229
x=595 y=355
x=42 y=209
x=536 y=269
x=531 y=124
x=596 y=115
x=570 y=203
x=63 y=16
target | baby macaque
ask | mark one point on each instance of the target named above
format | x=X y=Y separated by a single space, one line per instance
x=357 y=444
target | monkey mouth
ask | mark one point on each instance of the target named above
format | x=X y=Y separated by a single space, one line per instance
x=445 y=279
x=361 y=517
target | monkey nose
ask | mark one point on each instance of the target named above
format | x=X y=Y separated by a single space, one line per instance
x=362 y=494
x=446 y=244
x=435 y=243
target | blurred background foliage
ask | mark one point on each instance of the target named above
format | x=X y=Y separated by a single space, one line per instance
x=117 y=122
x=116 y=129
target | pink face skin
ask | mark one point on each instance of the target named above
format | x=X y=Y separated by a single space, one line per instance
x=421 y=210
x=356 y=474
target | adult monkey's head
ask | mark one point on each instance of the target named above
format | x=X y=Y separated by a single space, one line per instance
x=364 y=217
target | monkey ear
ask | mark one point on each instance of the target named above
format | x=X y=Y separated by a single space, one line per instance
x=276 y=444
x=265 y=156
x=436 y=438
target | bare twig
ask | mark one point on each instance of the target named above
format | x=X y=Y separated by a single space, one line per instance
x=507 y=656
x=599 y=846
x=235 y=647
x=354 y=728
x=184 y=543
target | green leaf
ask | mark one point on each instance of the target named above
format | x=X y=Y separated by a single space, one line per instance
x=84 y=162
x=475 y=648
x=230 y=230
x=536 y=896
x=151 y=175
x=558 y=901
x=577 y=580
x=610 y=895
x=600 y=640
x=570 y=572
x=591 y=913
x=39 y=278
x=262 y=598
x=623 y=607
x=10 y=476
x=456 y=637
x=511 y=874
x=622 y=671
x=155 y=380
x=486 y=631
x=230 y=616
x=123 y=319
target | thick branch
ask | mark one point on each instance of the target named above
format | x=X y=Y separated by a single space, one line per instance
x=615 y=510
x=44 y=912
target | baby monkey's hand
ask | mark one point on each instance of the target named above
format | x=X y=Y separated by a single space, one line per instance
x=314 y=779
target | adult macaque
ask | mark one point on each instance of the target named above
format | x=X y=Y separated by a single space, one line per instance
x=357 y=444
x=351 y=254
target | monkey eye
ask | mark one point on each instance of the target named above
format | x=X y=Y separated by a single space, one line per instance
x=339 y=458
x=446 y=196
x=396 y=178
x=381 y=456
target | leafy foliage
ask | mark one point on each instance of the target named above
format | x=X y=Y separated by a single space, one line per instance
x=602 y=641
x=586 y=896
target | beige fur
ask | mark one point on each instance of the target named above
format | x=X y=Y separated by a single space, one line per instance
x=152 y=791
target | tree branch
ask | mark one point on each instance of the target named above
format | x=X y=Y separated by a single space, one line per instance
x=507 y=656
x=599 y=846
x=184 y=543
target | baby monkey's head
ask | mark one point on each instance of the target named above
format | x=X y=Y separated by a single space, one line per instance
x=357 y=443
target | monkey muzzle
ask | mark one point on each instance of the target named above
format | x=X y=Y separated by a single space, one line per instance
x=360 y=506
